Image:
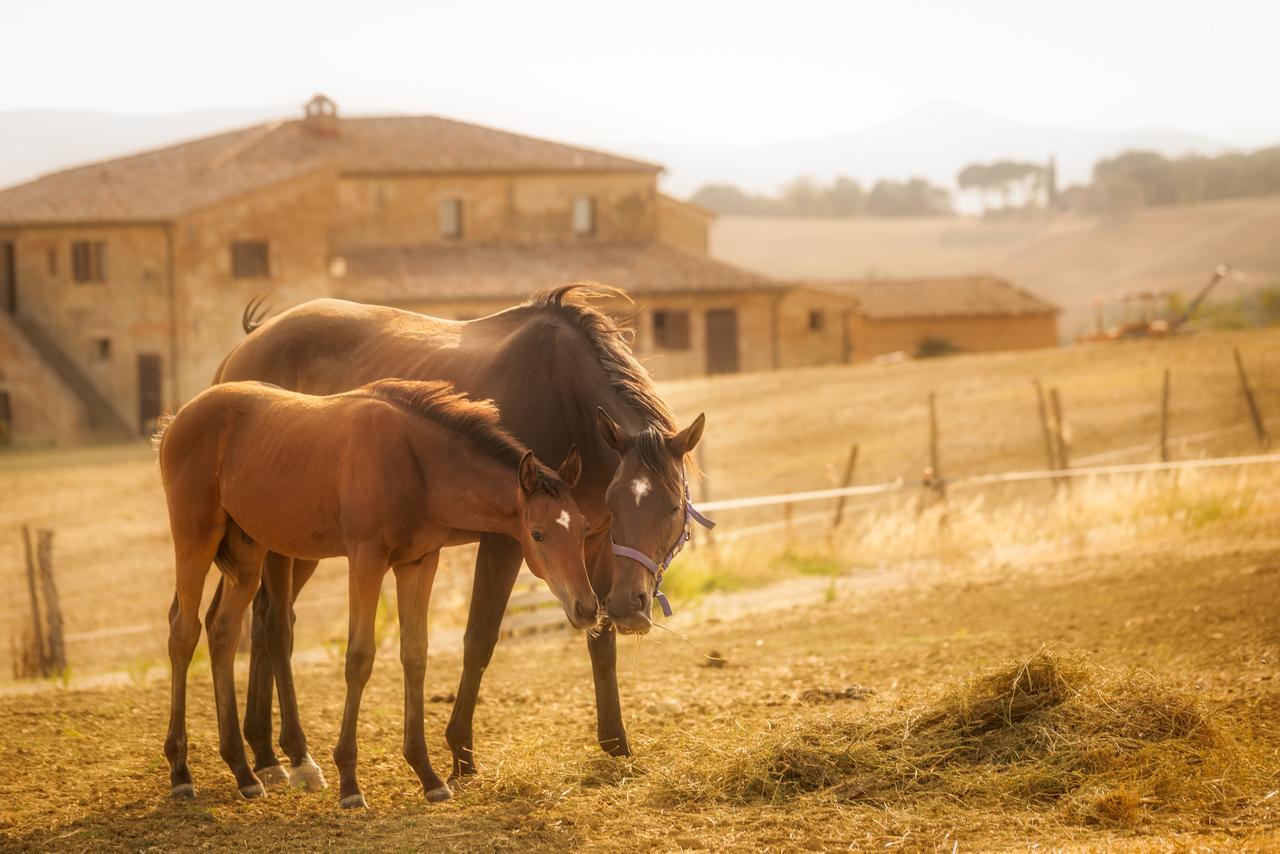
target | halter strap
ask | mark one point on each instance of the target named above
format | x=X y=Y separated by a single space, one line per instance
x=691 y=514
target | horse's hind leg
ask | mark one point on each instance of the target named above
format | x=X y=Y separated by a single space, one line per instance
x=240 y=581
x=184 y=632
x=413 y=594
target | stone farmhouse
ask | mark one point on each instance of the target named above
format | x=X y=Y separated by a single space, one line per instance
x=122 y=283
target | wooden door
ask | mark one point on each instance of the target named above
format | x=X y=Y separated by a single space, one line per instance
x=9 y=277
x=722 y=341
x=148 y=392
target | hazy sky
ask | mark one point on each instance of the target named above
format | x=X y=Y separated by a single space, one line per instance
x=664 y=71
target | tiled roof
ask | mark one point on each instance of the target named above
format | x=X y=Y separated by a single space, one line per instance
x=504 y=271
x=961 y=296
x=161 y=184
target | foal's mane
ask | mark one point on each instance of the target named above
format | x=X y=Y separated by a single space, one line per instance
x=627 y=377
x=475 y=420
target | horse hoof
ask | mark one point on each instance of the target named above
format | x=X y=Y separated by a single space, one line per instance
x=273 y=775
x=307 y=776
x=252 y=791
x=183 y=790
x=354 y=802
x=440 y=793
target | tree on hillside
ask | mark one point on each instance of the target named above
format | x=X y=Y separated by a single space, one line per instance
x=976 y=176
x=916 y=197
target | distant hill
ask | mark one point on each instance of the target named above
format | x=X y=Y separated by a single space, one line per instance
x=1068 y=259
x=933 y=141
x=34 y=142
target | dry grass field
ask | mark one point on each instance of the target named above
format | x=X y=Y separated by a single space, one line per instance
x=1067 y=259
x=1089 y=669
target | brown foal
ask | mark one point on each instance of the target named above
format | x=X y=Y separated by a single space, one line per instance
x=385 y=475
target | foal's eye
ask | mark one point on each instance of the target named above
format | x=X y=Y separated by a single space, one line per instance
x=537 y=537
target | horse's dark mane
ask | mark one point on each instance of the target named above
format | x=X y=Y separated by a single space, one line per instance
x=475 y=420
x=628 y=378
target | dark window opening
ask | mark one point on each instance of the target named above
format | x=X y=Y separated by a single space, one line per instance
x=671 y=330
x=53 y=261
x=89 y=261
x=102 y=347
x=250 y=259
x=451 y=218
x=817 y=321
x=584 y=216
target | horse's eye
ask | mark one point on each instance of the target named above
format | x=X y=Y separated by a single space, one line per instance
x=675 y=508
x=537 y=537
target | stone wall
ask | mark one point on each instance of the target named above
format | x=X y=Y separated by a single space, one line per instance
x=814 y=328
x=526 y=208
x=43 y=410
x=684 y=226
x=295 y=218
x=102 y=327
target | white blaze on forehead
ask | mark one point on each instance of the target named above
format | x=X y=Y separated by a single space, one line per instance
x=640 y=487
x=563 y=519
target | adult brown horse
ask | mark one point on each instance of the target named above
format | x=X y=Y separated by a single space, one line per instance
x=562 y=374
x=384 y=475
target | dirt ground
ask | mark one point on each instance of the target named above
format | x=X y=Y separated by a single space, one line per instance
x=83 y=768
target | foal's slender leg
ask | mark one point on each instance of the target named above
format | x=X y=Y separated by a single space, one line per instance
x=368 y=566
x=257 y=705
x=497 y=565
x=413 y=593
x=263 y=664
x=224 y=620
x=184 y=633
x=279 y=575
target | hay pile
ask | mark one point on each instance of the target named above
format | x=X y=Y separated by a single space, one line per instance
x=1049 y=733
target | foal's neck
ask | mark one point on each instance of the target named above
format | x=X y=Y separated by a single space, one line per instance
x=483 y=490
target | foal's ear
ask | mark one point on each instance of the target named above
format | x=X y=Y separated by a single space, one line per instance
x=687 y=439
x=528 y=473
x=571 y=468
x=612 y=434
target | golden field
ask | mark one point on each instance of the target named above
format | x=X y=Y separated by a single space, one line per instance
x=1091 y=668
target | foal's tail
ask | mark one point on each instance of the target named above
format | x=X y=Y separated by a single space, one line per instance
x=162 y=424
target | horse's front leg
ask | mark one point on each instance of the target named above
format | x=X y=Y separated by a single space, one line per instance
x=611 y=733
x=368 y=566
x=413 y=594
x=497 y=565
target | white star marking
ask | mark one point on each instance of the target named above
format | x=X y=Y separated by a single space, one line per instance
x=564 y=519
x=640 y=488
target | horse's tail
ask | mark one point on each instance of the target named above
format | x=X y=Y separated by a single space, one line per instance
x=254 y=315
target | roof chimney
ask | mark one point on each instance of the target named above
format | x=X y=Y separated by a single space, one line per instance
x=320 y=116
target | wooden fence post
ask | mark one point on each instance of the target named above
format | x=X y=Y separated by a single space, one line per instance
x=1164 y=420
x=1060 y=434
x=36 y=623
x=848 y=481
x=55 y=649
x=1259 y=427
x=1050 y=456
x=704 y=492
x=935 y=470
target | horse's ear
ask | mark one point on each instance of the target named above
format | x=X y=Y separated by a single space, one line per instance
x=687 y=439
x=610 y=431
x=571 y=468
x=528 y=473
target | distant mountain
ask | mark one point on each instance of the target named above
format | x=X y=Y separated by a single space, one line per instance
x=933 y=141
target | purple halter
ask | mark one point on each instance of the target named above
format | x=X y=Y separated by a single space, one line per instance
x=690 y=514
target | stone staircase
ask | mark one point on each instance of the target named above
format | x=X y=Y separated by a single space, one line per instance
x=103 y=419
